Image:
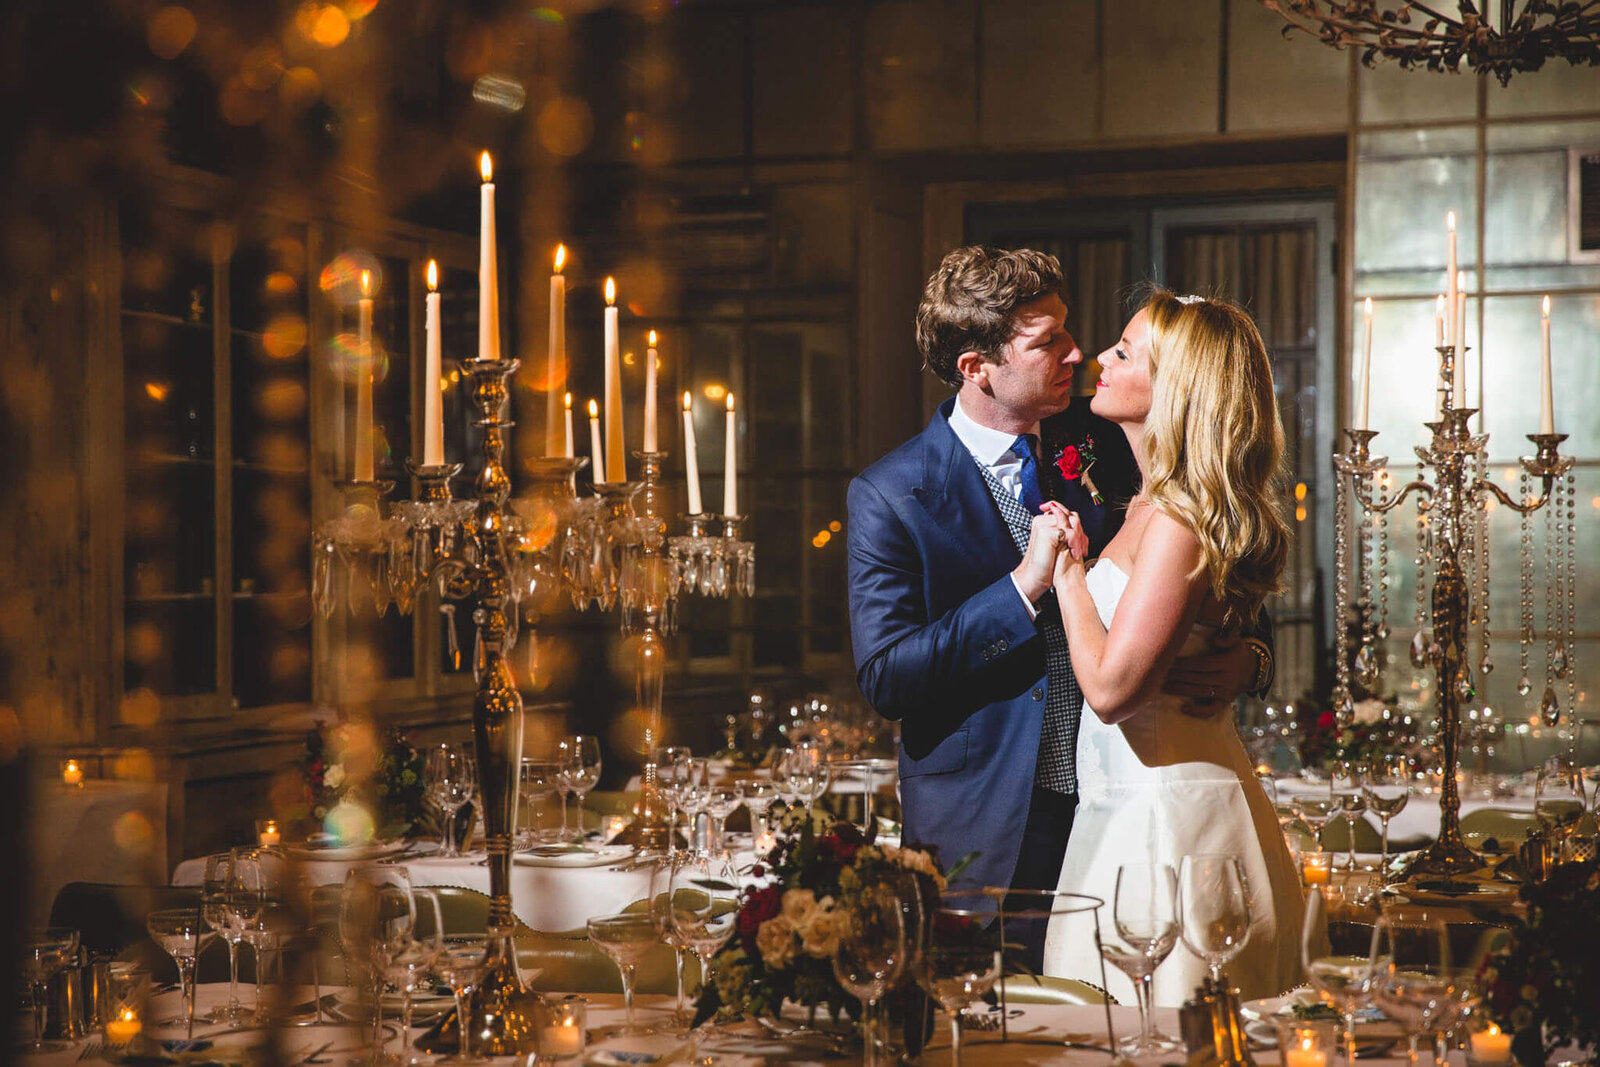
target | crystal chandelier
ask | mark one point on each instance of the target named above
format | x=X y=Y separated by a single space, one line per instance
x=1523 y=35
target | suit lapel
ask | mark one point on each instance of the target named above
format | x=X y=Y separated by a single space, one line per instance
x=955 y=497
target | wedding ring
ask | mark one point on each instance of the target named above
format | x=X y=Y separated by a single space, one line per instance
x=1211 y=692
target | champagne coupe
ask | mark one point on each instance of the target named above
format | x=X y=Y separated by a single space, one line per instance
x=1213 y=908
x=759 y=797
x=1411 y=977
x=1388 y=790
x=182 y=933
x=579 y=757
x=1344 y=983
x=1345 y=784
x=538 y=783
x=452 y=779
x=1316 y=812
x=960 y=963
x=220 y=891
x=43 y=954
x=626 y=937
x=661 y=917
x=409 y=967
x=1145 y=913
x=377 y=913
x=463 y=962
x=870 y=955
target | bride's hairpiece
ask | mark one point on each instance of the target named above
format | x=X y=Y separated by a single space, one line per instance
x=1191 y=298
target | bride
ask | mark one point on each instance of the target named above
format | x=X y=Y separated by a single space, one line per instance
x=1204 y=543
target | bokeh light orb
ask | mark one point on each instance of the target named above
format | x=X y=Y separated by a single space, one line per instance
x=285 y=336
x=348 y=823
x=300 y=87
x=322 y=24
x=170 y=30
x=344 y=357
x=340 y=279
x=565 y=125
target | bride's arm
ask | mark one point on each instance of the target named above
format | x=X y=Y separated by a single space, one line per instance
x=1119 y=670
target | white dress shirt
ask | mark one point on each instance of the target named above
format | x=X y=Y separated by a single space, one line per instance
x=992 y=449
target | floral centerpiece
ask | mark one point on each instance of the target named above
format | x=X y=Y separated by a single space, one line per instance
x=1543 y=984
x=1375 y=730
x=790 y=922
x=358 y=781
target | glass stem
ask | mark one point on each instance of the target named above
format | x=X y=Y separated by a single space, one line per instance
x=257 y=948
x=447 y=843
x=186 y=973
x=1349 y=1035
x=714 y=833
x=1412 y=1050
x=580 y=818
x=464 y=1042
x=565 y=833
x=405 y=1023
x=40 y=991
x=1141 y=990
x=683 y=1006
x=869 y=1034
x=1385 y=866
x=955 y=1038
x=233 y=975
x=1441 y=1047
x=627 y=992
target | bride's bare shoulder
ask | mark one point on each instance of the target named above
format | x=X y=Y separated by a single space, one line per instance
x=1166 y=541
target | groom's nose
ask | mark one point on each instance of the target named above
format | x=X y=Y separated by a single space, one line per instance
x=1074 y=353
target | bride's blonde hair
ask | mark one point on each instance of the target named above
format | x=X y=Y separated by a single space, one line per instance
x=1214 y=445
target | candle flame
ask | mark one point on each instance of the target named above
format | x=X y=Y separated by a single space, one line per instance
x=72 y=764
x=128 y=1015
x=1450 y=221
x=486 y=167
x=611 y=291
x=1547 y=307
x=1438 y=307
x=1369 y=307
x=652 y=338
x=594 y=409
x=561 y=257
x=433 y=275
x=1494 y=1031
x=366 y=283
x=1306 y=1043
x=568 y=401
x=688 y=401
x=730 y=401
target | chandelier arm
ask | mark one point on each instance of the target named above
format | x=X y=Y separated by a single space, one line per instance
x=1383 y=506
x=1481 y=487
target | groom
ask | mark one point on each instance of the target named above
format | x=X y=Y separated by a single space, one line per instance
x=955 y=629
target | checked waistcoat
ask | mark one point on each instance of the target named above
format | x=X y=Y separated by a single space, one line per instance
x=1058 y=739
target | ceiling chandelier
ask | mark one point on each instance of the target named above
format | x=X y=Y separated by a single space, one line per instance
x=1522 y=37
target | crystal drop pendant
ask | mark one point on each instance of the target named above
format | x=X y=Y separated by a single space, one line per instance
x=1549 y=710
x=1419 y=650
x=1527 y=635
x=1486 y=665
x=1524 y=685
x=1464 y=687
x=1558 y=662
x=1383 y=632
x=1367 y=666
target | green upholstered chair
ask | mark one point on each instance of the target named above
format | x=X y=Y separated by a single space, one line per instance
x=1042 y=989
x=110 y=920
x=1336 y=836
x=1503 y=824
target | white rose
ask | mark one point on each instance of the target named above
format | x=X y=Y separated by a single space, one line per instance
x=333 y=777
x=820 y=937
x=775 y=942
x=1368 y=712
x=798 y=905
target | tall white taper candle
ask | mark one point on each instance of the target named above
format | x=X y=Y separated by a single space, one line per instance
x=432 y=402
x=597 y=456
x=1547 y=411
x=691 y=455
x=364 y=369
x=616 y=444
x=488 y=267
x=556 y=359
x=730 y=462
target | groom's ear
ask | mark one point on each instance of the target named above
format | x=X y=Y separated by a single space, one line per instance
x=973 y=368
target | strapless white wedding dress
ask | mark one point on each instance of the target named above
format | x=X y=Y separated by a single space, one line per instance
x=1151 y=789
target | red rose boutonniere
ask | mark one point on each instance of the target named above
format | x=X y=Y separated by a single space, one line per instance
x=1074 y=461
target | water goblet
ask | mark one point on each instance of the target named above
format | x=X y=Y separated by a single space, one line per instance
x=1342 y=982
x=410 y=965
x=377 y=912
x=538 y=782
x=1388 y=790
x=870 y=955
x=463 y=963
x=579 y=759
x=661 y=917
x=703 y=903
x=808 y=773
x=1411 y=979
x=1316 y=811
x=43 y=954
x=694 y=783
x=1345 y=784
x=182 y=934
x=1145 y=916
x=721 y=802
x=1213 y=908
x=452 y=779
x=759 y=796
x=960 y=963
x=221 y=891
x=625 y=937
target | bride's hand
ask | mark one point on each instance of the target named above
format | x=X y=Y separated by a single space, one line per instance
x=1077 y=540
x=1036 y=573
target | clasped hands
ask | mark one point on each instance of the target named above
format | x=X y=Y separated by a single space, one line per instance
x=1056 y=542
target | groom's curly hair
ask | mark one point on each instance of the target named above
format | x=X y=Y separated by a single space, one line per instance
x=968 y=302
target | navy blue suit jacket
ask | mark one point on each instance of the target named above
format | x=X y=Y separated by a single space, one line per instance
x=943 y=642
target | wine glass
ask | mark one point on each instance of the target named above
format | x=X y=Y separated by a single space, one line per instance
x=43 y=954
x=452 y=779
x=808 y=773
x=626 y=937
x=1558 y=794
x=1388 y=789
x=960 y=963
x=661 y=917
x=182 y=934
x=870 y=955
x=538 y=783
x=1145 y=913
x=377 y=913
x=1342 y=982
x=694 y=783
x=579 y=759
x=1411 y=978
x=721 y=802
x=703 y=904
x=463 y=962
x=221 y=890
x=1345 y=783
x=759 y=797
x=1213 y=908
x=1316 y=811
x=410 y=965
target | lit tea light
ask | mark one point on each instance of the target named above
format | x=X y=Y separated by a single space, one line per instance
x=1305 y=1054
x=764 y=844
x=563 y=1037
x=1316 y=867
x=123 y=1028
x=267 y=833
x=614 y=825
x=1491 y=1046
x=71 y=773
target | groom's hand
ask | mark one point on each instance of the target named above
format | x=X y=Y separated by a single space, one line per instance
x=1210 y=681
x=1037 y=571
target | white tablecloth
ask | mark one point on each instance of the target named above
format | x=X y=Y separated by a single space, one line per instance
x=1420 y=817
x=545 y=898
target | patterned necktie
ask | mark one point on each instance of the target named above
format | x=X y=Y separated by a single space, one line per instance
x=1022 y=448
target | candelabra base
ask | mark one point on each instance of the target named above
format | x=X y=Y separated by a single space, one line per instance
x=1448 y=857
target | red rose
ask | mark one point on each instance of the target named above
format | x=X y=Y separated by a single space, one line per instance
x=759 y=906
x=1069 y=463
x=1325 y=721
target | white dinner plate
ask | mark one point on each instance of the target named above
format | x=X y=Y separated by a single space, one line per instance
x=347 y=853
x=556 y=856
